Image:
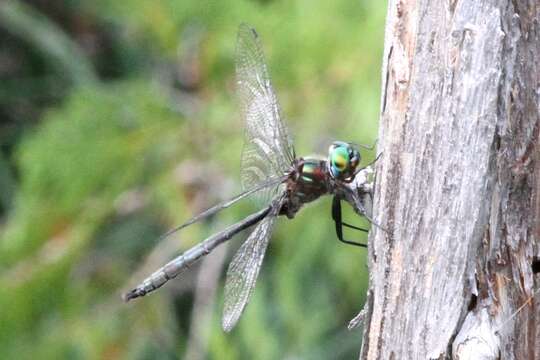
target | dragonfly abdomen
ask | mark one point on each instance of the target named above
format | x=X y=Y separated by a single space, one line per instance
x=174 y=267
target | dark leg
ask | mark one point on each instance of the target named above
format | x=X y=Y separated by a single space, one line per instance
x=362 y=211
x=336 y=215
x=371 y=163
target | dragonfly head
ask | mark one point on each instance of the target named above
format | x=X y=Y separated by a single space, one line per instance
x=343 y=158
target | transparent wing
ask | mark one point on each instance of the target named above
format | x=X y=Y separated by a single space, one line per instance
x=243 y=271
x=268 y=150
x=268 y=183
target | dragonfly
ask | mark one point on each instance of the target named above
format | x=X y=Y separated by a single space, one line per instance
x=272 y=174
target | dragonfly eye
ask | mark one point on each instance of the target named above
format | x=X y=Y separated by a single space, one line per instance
x=354 y=157
x=343 y=159
x=340 y=162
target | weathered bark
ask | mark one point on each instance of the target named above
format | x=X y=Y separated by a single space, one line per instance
x=458 y=184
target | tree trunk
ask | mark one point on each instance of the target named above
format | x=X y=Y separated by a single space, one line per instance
x=458 y=184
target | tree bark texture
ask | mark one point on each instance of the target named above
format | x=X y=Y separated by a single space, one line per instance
x=458 y=184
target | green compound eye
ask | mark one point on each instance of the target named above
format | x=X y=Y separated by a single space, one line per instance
x=339 y=159
x=340 y=162
x=343 y=158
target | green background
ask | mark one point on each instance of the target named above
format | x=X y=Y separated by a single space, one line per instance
x=118 y=120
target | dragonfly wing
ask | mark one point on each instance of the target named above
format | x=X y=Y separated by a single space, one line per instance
x=271 y=183
x=268 y=150
x=243 y=271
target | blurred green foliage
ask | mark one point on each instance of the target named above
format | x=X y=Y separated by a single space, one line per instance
x=119 y=121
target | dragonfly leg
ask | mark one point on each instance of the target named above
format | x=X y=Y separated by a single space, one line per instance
x=360 y=209
x=368 y=147
x=336 y=216
x=354 y=227
x=371 y=163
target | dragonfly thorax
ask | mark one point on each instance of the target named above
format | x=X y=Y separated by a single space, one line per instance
x=313 y=174
x=308 y=181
